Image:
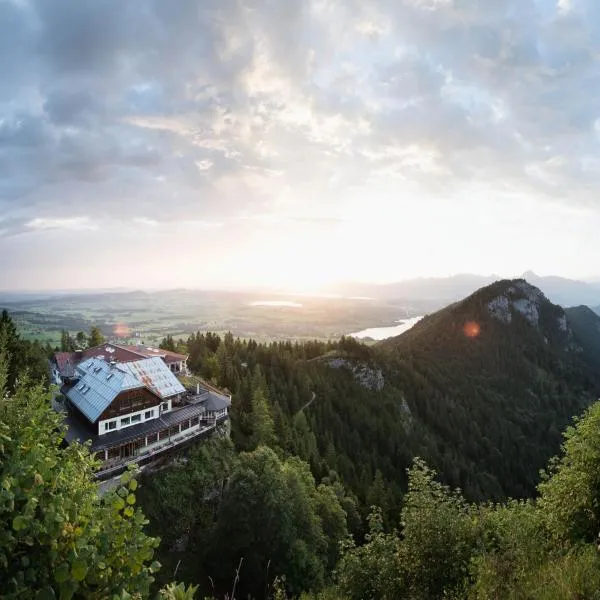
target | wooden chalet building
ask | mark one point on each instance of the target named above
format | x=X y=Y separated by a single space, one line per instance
x=136 y=411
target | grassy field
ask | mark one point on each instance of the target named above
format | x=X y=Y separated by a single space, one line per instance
x=149 y=317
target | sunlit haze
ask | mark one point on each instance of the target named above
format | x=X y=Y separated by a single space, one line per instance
x=292 y=144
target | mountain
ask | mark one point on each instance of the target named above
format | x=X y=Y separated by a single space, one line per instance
x=566 y=292
x=442 y=290
x=496 y=377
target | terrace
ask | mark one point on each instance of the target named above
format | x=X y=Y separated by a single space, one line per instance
x=198 y=417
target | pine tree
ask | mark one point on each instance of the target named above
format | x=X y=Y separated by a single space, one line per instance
x=263 y=430
x=96 y=338
x=66 y=342
x=80 y=340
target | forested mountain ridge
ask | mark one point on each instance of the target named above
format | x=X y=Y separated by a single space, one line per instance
x=483 y=404
x=500 y=374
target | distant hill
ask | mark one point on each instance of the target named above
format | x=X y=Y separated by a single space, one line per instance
x=585 y=324
x=443 y=290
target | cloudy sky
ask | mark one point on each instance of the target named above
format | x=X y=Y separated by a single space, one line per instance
x=230 y=142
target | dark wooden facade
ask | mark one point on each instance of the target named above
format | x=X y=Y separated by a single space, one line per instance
x=130 y=401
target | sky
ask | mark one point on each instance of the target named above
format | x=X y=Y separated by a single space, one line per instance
x=232 y=143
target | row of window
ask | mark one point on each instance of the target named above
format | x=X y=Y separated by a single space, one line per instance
x=125 y=421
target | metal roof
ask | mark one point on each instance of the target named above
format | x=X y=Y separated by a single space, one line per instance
x=99 y=385
x=154 y=374
x=150 y=351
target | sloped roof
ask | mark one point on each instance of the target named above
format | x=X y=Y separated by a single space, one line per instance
x=99 y=385
x=155 y=374
x=149 y=351
x=120 y=354
x=216 y=402
x=65 y=363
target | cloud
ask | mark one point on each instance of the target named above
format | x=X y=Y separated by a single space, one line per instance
x=196 y=112
x=73 y=224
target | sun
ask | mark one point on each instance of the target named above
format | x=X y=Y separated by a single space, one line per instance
x=290 y=267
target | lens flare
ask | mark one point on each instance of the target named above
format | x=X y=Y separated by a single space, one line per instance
x=121 y=330
x=471 y=329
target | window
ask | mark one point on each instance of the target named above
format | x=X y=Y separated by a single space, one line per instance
x=165 y=406
x=125 y=421
x=149 y=414
x=110 y=425
x=136 y=418
x=153 y=437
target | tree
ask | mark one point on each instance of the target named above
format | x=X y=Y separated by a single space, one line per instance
x=66 y=342
x=375 y=569
x=379 y=495
x=181 y=501
x=263 y=430
x=57 y=536
x=23 y=356
x=273 y=517
x=438 y=535
x=305 y=443
x=80 y=340
x=96 y=338
x=570 y=492
x=168 y=343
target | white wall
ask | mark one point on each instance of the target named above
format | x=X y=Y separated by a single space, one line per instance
x=102 y=430
x=157 y=413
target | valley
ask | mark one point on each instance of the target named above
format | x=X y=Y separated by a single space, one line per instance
x=150 y=316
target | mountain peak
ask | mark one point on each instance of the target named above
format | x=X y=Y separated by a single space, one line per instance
x=505 y=313
x=521 y=297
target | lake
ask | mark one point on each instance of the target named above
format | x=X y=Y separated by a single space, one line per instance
x=381 y=333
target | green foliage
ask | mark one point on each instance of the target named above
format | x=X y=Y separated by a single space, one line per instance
x=512 y=543
x=520 y=550
x=22 y=357
x=263 y=429
x=58 y=538
x=178 y=591
x=181 y=501
x=570 y=495
x=80 y=340
x=67 y=344
x=438 y=535
x=275 y=518
x=375 y=569
x=95 y=338
x=168 y=343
